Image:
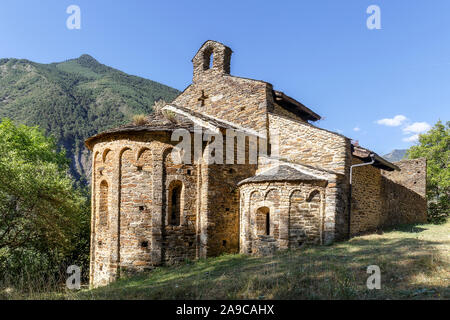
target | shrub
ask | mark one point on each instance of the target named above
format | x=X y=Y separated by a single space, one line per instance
x=140 y=119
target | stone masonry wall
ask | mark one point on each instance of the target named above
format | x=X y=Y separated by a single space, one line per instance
x=383 y=198
x=306 y=144
x=367 y=201
x=277 y=109
x=296 y=211
x=223 y=206
x=132 y=178
x=179 y=239
x=135 y=209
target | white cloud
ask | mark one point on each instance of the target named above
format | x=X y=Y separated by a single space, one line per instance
x=356 y=129
x=394 y=122
x=413 y=138
x=417 y=127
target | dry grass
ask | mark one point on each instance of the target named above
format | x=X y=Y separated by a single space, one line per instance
x=158 y=105
x=414 y=262
x=139 y=119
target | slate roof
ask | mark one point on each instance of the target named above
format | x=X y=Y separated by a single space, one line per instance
x=365 y=155
x=154 y=122
x=281 y=173
x=295 y=106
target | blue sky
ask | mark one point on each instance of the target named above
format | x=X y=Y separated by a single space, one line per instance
x=381 y=87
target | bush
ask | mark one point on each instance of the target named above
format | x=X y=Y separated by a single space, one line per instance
x=140 y=119
x=44 y=218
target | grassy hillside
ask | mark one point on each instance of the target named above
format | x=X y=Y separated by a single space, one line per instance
x=75 y=99
x=414 y=263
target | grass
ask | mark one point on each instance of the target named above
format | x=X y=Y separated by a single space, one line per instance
x=414 y=263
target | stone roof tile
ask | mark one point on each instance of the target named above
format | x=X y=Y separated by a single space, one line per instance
x=281 y=173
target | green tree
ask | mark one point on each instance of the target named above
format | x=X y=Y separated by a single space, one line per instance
x=435 y=146
x=40 y=209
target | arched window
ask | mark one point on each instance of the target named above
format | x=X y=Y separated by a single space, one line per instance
x=174 y=206
x=263 y=221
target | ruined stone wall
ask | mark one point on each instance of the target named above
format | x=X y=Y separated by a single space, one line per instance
x=405 y=193
x=297 y=215
x=413 y=175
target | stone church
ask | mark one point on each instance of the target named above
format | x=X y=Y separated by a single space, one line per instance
x=306 y=185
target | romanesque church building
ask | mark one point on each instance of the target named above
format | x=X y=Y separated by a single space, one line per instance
x=298 y=184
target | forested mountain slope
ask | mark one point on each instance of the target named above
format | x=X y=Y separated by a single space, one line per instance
x=75 y=99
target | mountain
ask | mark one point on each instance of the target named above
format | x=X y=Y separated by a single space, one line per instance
x=395 y=155
x=75 y=99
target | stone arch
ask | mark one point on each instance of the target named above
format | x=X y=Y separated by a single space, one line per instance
x=254 y=195
x=169 y=166
x=144 y=160
x=292 y=191
x=140 y=152
x=97 y=165
x=313 y=195
x=97 y=156
x=105 y=153
x=255 y=198
x=271 y=193
x=123 y=150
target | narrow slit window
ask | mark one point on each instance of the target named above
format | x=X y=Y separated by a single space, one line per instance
x=175 y=206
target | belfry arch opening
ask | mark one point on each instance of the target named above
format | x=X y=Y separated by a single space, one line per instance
x=208 y=58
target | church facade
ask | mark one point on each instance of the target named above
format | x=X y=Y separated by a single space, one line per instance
x=286 y=183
